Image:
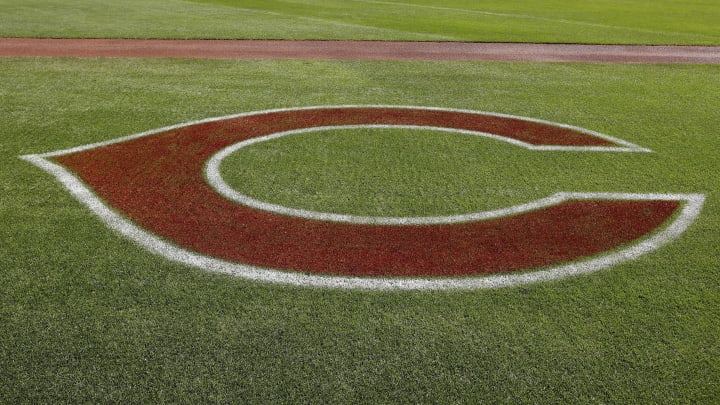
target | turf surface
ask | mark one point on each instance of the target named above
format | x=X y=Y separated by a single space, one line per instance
x=557 y=21
x=403 y=172
x=87 y=316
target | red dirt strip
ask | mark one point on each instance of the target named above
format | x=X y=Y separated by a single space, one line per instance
x=157 y=181
x=355 y=50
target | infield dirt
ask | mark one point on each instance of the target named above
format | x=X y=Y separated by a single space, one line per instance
x=356 y=50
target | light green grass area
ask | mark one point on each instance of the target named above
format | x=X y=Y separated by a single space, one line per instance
x=557 y=21
x=88 y=316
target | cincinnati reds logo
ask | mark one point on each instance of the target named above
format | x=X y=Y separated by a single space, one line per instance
x=164 y=190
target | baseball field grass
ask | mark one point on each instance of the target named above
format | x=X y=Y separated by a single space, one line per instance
x=556 y=21
x=88 y=316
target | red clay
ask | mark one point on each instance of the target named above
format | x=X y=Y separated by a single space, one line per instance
x=157 y=181
x=355 y=50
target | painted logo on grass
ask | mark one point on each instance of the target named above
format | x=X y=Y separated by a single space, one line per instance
x=163 y=189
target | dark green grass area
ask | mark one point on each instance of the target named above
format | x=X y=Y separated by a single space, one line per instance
x=408 y=172
x=385 y=172
x=87 y=316
x=557 y=21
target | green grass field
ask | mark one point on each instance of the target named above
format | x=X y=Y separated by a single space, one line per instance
x=88 y=316
x=563 y=21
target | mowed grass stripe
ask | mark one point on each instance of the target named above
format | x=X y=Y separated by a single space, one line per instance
x=534 y=11
x=558 y=21
x=176 y=19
